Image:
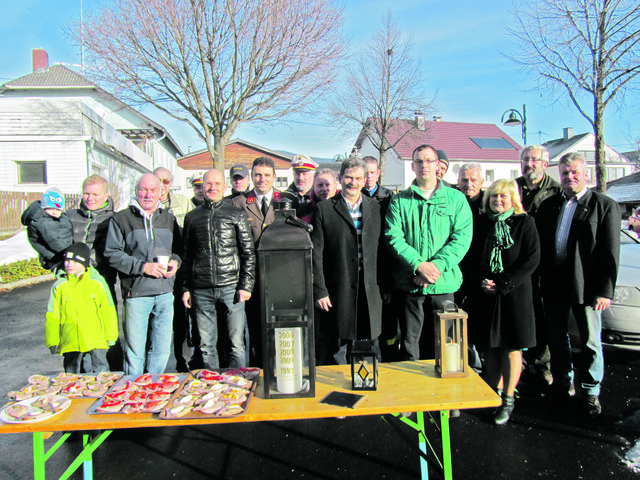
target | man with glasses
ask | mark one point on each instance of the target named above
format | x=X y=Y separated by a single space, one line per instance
x=429 y=230
x=535 y=187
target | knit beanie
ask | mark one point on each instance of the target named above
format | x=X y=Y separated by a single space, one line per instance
x=52 y=198
x=443 y=157
x=79 y=252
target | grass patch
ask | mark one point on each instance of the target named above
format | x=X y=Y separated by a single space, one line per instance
x=20 y=270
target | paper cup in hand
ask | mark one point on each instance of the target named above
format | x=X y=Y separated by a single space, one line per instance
x=163 y=261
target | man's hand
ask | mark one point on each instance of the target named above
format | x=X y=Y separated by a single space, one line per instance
x=154 y=270
x=186 y=299
x=324 y=303
x=172 y=268
x=427 y=273
x=243 y=296
x=602 y=303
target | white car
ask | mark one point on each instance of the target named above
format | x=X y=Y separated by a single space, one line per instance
x=621 y=321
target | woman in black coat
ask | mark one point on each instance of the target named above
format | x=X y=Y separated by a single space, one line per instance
x=501 y=317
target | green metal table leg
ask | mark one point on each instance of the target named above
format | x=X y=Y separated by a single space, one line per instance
x=38 y=456
x=446 y=444
x=86 y=455
x=90 y=444
x=422 y=444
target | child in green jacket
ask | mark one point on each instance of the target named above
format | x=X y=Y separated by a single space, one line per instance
x=81 y=316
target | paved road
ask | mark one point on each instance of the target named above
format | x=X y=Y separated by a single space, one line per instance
x=538 y=443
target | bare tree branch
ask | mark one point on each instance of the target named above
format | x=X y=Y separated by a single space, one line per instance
x=589 y=49
x=216 y=63
x=382 y=87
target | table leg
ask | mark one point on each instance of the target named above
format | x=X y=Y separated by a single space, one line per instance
x=38 y=456
x=422 y=444
x=446 y=444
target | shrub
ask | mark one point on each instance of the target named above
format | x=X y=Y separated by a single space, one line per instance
x=20 y=270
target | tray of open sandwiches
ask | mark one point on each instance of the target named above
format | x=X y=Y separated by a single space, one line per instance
x=68 y=385
x=145 y=393
x=213 y=394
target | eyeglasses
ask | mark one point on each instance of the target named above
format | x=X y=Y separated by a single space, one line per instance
x=533 y=160
x=166 y=181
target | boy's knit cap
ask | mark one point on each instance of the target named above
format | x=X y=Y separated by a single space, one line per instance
x=79 y=252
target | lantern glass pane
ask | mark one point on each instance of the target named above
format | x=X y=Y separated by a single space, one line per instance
x=282 y=271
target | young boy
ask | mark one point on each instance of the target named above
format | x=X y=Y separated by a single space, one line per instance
x=48 y=229
x=81 y=317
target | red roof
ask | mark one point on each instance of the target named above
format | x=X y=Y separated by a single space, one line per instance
x=455 y=138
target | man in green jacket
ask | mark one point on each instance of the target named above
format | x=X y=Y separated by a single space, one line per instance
x=429 y=229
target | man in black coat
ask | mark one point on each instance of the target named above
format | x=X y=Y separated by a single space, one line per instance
x=535 y=186
x=580 y=238
x=219 y=271
x=346 y=242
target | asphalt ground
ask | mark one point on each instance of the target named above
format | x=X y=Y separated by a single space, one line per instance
x=540 y=442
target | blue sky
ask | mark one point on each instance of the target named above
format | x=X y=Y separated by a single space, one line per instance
x=461 y=47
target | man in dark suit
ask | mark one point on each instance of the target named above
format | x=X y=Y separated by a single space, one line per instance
x=259 y=205
x=579 y=233
x=346 y=238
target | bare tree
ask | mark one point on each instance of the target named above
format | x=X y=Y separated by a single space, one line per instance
x=586 y=49
x=381 y=89
x=216 y=63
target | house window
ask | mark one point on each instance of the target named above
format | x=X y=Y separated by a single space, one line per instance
x=281 y=182
x=32 y=172
x=513 y=174
x=490 y=176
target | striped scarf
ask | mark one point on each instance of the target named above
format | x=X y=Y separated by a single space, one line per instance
x=499 y=239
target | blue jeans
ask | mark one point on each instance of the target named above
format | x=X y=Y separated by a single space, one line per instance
x=205 y=302
x=73 y=361
x=147 y=318
x=589 y=322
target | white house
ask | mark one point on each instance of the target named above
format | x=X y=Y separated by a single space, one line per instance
x=57 y=127
x=617 y=165
x=482 y=143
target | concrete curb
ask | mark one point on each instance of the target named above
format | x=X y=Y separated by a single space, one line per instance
x=6 y=287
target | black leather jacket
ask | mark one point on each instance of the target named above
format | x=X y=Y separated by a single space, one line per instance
x=219 y=248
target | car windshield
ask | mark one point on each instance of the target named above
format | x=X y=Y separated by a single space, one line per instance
x=627 y=237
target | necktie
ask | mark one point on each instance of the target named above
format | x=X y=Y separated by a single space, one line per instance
x=265 y=207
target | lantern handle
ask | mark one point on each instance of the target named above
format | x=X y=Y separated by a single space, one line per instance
x=293 y=220
x=448 y=307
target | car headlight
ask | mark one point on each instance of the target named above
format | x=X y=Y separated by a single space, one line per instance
x=627 y=296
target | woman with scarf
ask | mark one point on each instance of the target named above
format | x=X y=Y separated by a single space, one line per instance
x=500 y=304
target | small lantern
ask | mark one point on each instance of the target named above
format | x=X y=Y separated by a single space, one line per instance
x=364 y=366
x=451 y=342
x=286 y=310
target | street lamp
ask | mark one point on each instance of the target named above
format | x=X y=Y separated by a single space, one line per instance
x=517 y=118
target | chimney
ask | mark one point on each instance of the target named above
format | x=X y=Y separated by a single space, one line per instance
x=420 y=121
x=40 y=59
x=567 y=133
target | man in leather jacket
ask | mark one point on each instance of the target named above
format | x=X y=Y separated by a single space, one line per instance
x=219 y=271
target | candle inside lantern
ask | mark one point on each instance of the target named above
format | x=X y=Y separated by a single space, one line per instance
x=288 y=359
x=452 y=357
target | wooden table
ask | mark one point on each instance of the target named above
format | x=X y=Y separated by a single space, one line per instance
x=402 y=387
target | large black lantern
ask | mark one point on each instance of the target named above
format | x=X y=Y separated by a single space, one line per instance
x=451 y=341
x=364 y=366
x=286 y=292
